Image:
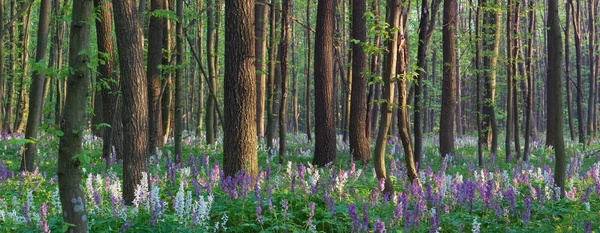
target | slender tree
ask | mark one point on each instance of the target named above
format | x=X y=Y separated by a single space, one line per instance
x=73 y=123
x=135 y=97
x=37 y=89
x=449 y=79
x=283 y=63
x=389 y=73
x=325 y=141
x=155 y=46
x=179 y=83
x=240 y=90
x=426 y=27
x=260 y=30
x=592 y=76
x=530 y=83
x=307 y=92
x=491 y=42
x=554 y=107
x=359 y=141
x=210 y=56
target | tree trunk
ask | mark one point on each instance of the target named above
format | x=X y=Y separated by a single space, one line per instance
x=271 y=82
x=307 y=92
x=478 y=48
x=260 y=27
x=74 y=121
x=37 y=89
x=240 y=90
x=360 y=145
x=135 y=96
x=592 y=78
x=179 y=83
x=530 y=83
x=449 y=79
x=403 y=118
x=210 y=56
x=389 y=73
x=491 y=42
x=555 y=110
x=371 y=118
x=325 y=140
x=23 y=101
x=155 y=46
x=283 y=58
x=577 y=31
x=8 y=113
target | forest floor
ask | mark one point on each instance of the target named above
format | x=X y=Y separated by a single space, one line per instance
x=457 y=195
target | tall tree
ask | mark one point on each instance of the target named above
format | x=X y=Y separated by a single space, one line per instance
x=491 y=43
x=478 y=48
x=578 y=63
x=449 y=79
x=240 y=90
x=270 y=131
x=325 y=141
x=74 y=121
x=567 y=68
x=37 y=89
x=530 y=83
x=426 y=27
x=509 y=83
x=155 y=46
x=359 y=141
x=211 y=105
x=135 y=97
x=307 y=93
x=555 y=105
x=389 y=73
x=592 y=77
x=283 y=63
x=179 y=83
x=22 y=100
x=260 y=30
x=403 y=118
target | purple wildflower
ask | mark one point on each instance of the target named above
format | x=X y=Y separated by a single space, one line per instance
x=379 y=226
x=354 y=216
x=527 y=207
x=43 y=222
x=259 y=218
x=126 y=226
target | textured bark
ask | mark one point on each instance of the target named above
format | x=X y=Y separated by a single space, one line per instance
x=449 y=79
x=260 y=30
x=426 y=27
x=240 y=90
x=491 y=43
x=359 y=141
x=155 y=46
x=104 y=29
x=568 y=69
x=37 y=89
x=210 y=56
x=389 y=74
x=3 y=78
x=135 y=96
x=478 y=48
x=509 y=83
x=325 y=141
x=73 y=123
x=179 y=83
x=555 y=110
x=283 y=58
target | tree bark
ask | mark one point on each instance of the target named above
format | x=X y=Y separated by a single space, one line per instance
x=260 y=27
x=37 y=90
x=592 y=78
x=307 y=92
x=325 y=141
x=74 y=121
x=283 y=58
x=135 y=96
x=530 y=83
x=155 y=46
x=555 y=114
x=179 y=83
x=449 y=79
x=210 y=56
x=240 y=90
x=491 y=43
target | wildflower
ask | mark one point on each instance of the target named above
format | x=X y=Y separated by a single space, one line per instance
x=379 y=226
x=259 y=218
x=126 y=226
x=43 y=222
x=141 y=191
x=354 y=216
x=365 y=218
x=476 y=226
x=311 y=214
x=285 y=205
x=527 y=212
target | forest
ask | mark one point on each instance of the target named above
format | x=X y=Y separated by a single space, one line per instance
x=299 y=116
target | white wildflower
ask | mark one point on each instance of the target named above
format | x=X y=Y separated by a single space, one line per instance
x=141 y=191
x=587 y=206
x=56 y=200
x=476 y=226
x=89 y=187
x=180 y=203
